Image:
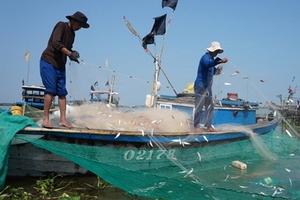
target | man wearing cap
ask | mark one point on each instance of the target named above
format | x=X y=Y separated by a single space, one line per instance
x=53 y=61
x=203 y=85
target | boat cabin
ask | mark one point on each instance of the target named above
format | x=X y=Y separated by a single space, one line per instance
x=33 y=96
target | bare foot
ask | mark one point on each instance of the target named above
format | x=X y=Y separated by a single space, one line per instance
x=47 y=124
x=198 y=130
x=211 y=129
x=65 y=124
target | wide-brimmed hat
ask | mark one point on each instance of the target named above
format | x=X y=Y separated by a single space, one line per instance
x=80 y=17
x=215 y=46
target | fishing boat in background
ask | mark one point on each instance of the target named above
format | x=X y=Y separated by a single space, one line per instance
x=33 y=96
x=289 y=108
x=111 y=98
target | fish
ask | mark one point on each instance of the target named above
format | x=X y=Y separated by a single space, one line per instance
x=288 y=133
x=226 y=178
x=153 y=121
x=205 y=138
x=150 y=143
x=143 y=133
x=189 y=172
x=199 y=157
x=117 y=135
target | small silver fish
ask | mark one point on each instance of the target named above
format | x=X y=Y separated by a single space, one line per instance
x=288 y=133
x=176 y=140
x=205 y=138
x=186 y=143
x=117 y=135
x=199 y=157
x=226 y=178
x=150 y=143
x=189 y=172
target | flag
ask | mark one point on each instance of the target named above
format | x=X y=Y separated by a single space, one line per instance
x=159 y=28
x=107 y=83
x=169 y=3
x=27 y=56
x=148 y=39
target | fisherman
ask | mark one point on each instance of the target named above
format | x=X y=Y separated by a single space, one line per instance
x=203 y=85
x=53 y=61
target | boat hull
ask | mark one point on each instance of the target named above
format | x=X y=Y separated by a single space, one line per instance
x=134 y=150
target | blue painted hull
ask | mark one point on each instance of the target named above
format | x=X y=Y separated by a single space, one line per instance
x=112 y=136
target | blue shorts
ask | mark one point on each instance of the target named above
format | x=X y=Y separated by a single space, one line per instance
x=53 y=79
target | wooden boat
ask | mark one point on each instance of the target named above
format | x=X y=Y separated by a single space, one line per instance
x=33 y=96
x=28 y=160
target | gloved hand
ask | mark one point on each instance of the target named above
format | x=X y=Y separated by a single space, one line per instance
x=74 y=56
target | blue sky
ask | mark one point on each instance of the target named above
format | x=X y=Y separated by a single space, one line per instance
x=260 y=39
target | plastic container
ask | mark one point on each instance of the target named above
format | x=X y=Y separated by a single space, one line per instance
x=232 y=96
x=16 y=110
x=239 y=164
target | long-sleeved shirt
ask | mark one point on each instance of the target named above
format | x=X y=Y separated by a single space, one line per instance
x=61 y=36
x=206 y=71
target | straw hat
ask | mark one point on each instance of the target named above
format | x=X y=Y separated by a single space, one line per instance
x=81 y=18
x=215 y=46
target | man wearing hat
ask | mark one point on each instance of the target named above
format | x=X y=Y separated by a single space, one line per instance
x=203 y=85
x=53 y=61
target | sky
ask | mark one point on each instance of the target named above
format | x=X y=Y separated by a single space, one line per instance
x=261 y=39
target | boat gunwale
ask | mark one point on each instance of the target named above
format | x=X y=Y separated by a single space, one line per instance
x=78 y=130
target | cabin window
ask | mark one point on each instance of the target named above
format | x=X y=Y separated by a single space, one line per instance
x=165 y=106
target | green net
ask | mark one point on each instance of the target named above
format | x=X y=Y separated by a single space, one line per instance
x=9 y=126
x=180 y=171
x=194 y=172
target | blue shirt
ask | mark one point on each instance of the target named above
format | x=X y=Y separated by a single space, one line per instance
x=206 y=71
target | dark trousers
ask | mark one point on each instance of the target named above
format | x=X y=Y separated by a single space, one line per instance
x=203 y=98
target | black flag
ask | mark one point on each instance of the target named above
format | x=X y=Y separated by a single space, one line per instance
x=169 y=3
x=148 y=39
x=159 y=28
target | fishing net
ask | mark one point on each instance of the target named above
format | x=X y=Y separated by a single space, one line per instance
x=193 y=172
x=172 y=171
x=9 y=126
x=33 y=113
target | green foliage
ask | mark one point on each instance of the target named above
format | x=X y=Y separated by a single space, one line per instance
x=15 y=193
x=48 y=186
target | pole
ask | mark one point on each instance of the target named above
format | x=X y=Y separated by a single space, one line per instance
x=27 y=72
